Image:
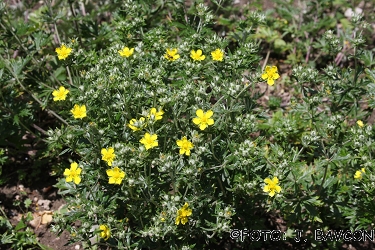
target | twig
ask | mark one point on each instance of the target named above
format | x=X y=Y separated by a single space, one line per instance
x=266 y=60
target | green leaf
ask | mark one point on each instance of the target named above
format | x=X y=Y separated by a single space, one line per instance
x=370 y=74
x=279 y=43
x=64 y=151
x=60 y=74
x=27 y=202
x=20 y=225
x=6 y=239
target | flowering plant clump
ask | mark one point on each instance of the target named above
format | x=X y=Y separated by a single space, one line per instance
x=170 y=135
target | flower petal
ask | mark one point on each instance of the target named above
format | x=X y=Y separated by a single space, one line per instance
x=209 y=113
x=202 y=126
x=268 y=181
x=109 y=172
x=77 y=180
x=197 y=120
x=199 y=113
x=275 y=180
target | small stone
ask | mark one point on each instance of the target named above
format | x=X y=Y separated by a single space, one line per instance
x=77 y=247
x=44 y=203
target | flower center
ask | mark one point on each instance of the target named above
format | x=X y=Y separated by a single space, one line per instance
x=73 y=173
x=116 y=174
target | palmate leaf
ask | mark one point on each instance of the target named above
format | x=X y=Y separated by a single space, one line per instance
x=6 y=239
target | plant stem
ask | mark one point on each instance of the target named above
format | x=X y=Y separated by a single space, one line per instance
x=324 y=178
x=266 y=60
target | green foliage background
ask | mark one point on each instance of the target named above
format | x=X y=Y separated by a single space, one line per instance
x=311 y=142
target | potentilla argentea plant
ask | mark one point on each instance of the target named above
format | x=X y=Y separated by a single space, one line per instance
x=175 y=132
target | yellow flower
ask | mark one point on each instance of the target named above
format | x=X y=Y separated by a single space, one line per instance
x=272 y=186
x=203 y=119
x=126 y=52
x=73 y=174
x=358 y=174
x=115 y=175
x=63 y=52
x=156 y=115
x=105 y=233
x=197 y=55
x=108 y=155
x=60 y=94
x=217 y=55
x=163 y=215
x=183 y=214
x=150 y=141
x=137 y=125
x=184 y=145
x=270 y=74
x=79 y=111
x=171 y=55
x=360 y=123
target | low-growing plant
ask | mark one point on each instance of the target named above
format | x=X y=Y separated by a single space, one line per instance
x=19 y=236
x=170 y=139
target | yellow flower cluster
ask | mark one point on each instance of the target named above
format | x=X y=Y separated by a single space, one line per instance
x=203 y=120
x=153 y=115
x=196 y=55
